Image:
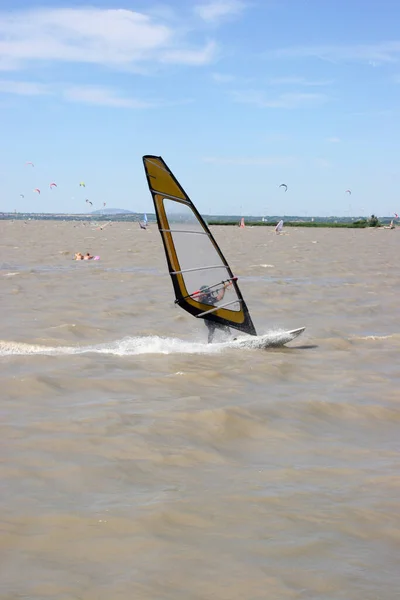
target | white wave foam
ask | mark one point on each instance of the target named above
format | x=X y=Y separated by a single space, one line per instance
x=125 y=347
x=132 y=346
x=265 y=266
x=374 y=337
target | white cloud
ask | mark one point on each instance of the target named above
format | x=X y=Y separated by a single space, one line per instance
x=23 y=88
x=333 y=140
x=274 y=81
x=190 y=57
x=113 y=37
x=213 y=12
x=299 y=81
x=288 y=101
x=102 y=96
x=374 y=54
x=7 y=63
x=251 y=161
x=223 y=77
x=226 y=78
x=84 y=94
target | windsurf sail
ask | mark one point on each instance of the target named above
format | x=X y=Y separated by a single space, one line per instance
x=143 y=224
x=195 y=261
x=242 y=225
x=279 y=227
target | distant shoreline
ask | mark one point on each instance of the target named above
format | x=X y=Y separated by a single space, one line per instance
x=331 y=224
x=232 y=221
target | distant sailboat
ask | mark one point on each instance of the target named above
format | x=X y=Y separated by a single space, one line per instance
x=391 y=226
x=143 y=224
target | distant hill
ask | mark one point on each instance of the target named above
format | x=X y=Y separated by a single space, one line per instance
x=113 y=211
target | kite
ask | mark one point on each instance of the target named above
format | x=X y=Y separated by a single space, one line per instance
x=82 y=184
x=37 y=190
x=88 y=201
x=348 y=192
x=53 y=185
x=30 y=163
x=284 y=185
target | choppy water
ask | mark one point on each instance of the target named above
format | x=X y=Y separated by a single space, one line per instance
x=139 y=462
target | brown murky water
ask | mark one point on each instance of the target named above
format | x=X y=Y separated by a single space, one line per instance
x=146 y=467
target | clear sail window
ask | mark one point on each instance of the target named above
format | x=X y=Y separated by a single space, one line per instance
x=199 y=261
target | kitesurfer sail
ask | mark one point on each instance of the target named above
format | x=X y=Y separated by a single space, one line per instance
x=197 y=267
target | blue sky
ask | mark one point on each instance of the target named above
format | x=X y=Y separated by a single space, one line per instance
x=237 y=96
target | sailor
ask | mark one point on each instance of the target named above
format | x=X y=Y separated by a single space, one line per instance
x=211 y=297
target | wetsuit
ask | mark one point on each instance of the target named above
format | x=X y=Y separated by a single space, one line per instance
x=211 y=326
x=208 y=297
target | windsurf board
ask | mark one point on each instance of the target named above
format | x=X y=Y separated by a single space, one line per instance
x=273 y=339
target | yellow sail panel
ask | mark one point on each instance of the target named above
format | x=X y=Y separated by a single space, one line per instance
x=160 y=179
x=203 y=282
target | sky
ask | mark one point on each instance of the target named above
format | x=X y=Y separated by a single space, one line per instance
x=237 y=96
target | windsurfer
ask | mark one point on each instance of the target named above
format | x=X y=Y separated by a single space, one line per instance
x=208 y=296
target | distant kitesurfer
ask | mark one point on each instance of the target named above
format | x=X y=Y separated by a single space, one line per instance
x=211 y=297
